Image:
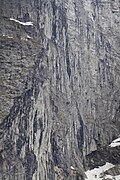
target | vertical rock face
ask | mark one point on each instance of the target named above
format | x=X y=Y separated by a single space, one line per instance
x=60 y=85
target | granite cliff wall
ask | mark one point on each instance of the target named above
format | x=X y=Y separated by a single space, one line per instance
x=60 y=85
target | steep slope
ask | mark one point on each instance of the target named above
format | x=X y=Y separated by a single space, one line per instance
x=60 y=85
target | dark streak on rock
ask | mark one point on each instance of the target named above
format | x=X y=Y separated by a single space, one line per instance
x=19 y=144
x=34 y=126
x=80 y=135
x=55 y=150
x=67 y=59
x=41 y=132
x=30 y=164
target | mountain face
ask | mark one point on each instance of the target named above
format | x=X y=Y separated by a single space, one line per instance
x=59 y=87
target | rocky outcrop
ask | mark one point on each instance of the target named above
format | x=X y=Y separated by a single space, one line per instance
x=113 y=171
x=60 y=85
x=103 y=155
x=104 y=163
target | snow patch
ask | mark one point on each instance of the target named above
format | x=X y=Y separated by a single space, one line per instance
x=23 y=23
x=112 y=177
x=71 y=167
x=115 y=143
x=10 y=37
x=32 y=98
x=95 y=173
x=29 y=37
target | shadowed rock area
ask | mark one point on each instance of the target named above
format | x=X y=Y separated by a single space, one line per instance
x=59 y=87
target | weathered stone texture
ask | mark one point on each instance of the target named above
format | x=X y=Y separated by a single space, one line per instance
x=60 y=85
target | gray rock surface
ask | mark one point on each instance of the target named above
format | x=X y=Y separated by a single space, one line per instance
x=60 y=85
x=103 y=155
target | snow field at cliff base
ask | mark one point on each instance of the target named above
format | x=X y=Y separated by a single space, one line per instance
x=98 y=173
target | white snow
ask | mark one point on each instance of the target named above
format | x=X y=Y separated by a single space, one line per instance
x=117 y=140
x=94 y=174
x=29 y=37
x=72 y=167
x=115 y=143
x=112 y=177
x=23 y=23
x=117 y=177
x=32 y=98
x=10 y=37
